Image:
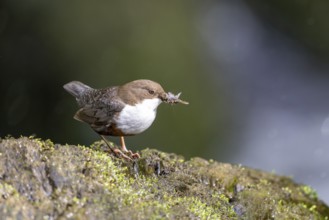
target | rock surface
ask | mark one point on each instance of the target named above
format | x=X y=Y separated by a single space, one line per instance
x=40 y=180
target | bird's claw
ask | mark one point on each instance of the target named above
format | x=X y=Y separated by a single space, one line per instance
x=133 y=155
x=120 y=154
x=127 y=154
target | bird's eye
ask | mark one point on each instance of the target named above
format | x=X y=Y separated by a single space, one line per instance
x=151 y=92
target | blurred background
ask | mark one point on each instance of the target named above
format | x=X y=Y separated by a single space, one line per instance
x=256 y=74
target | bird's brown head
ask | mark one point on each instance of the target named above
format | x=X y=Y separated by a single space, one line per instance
x=135 y=91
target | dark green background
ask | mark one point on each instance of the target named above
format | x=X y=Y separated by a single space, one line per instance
x=45 y=44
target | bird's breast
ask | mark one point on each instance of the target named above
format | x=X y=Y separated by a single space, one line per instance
x=134 y=119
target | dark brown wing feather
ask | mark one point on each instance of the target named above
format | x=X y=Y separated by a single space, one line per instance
x=98 y=107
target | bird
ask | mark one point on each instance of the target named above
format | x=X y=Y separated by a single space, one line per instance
x=124 y=110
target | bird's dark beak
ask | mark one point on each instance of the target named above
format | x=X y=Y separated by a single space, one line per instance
x=163 y=96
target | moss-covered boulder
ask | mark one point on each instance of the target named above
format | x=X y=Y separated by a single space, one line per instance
x=40 y=180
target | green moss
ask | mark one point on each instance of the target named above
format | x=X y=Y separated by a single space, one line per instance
x=309 y=191
x=88 y=182
x=7 y=190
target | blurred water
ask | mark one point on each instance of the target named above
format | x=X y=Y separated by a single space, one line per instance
x=281 y=91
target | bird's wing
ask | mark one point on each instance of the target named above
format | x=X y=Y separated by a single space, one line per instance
x=98 y=107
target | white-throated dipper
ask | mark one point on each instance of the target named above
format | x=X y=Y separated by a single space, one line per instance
x=120 y=110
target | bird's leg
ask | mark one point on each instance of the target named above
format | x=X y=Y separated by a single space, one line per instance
x=123 y=144
x=116 y=151
x=124 y=148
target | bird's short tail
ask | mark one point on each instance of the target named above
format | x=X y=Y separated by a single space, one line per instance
x=76 y=88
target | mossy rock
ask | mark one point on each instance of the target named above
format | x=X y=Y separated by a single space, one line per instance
x=40 y=180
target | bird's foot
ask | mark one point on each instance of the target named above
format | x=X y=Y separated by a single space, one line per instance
x=133 y=155
x=120 y=154
x=127 y=155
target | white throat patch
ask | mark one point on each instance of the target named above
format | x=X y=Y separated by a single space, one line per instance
x=136 y=119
